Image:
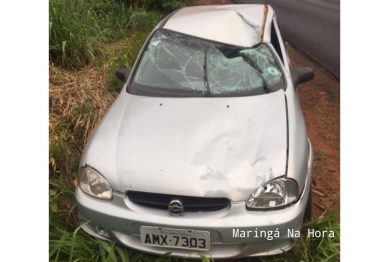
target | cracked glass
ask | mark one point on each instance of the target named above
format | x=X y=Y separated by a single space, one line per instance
x=177 y=64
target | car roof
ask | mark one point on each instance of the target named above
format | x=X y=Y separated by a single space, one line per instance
x=240 y=25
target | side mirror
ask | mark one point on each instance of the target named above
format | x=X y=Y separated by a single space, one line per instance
x=302 y=75
x=122 y=74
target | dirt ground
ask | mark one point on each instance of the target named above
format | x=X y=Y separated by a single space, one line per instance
x=320 y=102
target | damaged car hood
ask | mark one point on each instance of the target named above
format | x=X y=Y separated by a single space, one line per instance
x=215 y=147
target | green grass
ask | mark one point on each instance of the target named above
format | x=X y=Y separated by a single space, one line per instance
x=68 y=242
x=78 y=100
x=73 y=33
x=78 y=29
x=123 y=57
x=315 y=249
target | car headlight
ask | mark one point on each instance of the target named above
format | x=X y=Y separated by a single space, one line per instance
x=274 y=194
x=93 y=183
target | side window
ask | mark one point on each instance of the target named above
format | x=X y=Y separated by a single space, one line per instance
x=279 y=45
x=275 y=42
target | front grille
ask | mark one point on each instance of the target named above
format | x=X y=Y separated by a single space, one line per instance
x=191 y=204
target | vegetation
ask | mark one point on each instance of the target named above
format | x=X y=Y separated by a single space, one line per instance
x=78 y=29
x=310 y=248
x=89 y=40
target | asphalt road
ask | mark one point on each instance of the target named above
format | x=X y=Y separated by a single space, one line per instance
x=312 y=26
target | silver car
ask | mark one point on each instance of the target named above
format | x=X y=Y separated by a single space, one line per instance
x=205 y=149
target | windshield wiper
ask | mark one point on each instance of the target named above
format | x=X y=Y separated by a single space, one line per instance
x=248 y=60
x=205 y=79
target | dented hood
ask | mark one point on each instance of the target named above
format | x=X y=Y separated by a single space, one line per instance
x=216 y=147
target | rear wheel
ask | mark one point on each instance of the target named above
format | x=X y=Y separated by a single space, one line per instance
x=308 y=208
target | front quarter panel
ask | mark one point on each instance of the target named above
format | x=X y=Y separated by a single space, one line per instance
x=100 y=152
x=298 y=152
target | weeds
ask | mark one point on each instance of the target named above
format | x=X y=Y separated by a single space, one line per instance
x=53 y=199
x=322 y=155
x=164 y=6
x=77 y=29
x=68 y=242
x=73 y=33
x=75 y=245
x=77 y=101
x=123 y=56
x=312 y=249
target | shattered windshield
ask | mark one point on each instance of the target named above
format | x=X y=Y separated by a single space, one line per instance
x=177 y=64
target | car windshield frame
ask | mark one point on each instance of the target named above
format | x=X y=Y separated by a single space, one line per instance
x=136 y=88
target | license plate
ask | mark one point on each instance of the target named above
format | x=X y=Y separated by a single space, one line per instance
x=176 y=238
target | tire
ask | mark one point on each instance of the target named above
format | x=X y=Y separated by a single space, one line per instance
x=308 y=208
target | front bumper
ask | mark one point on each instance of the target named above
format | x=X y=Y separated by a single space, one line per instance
x=119 y=220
